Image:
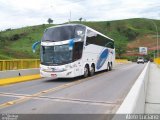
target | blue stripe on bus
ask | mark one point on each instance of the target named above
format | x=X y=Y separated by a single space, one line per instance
x=102 y=59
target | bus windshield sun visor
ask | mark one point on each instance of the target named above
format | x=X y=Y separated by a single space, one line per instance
x=67 y=32
x=71 y=44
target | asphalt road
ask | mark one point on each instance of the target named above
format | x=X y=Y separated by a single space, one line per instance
x=100 y=94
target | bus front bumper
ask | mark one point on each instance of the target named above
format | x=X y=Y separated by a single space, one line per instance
x=64 y=74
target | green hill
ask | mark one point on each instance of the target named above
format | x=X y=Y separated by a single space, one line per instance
x=16 y=43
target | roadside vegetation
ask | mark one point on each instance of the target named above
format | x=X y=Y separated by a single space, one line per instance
x=128 y=34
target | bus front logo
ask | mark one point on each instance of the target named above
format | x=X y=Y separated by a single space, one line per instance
x=102 y=58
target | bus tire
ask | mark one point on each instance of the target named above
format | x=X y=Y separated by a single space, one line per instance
x=86 y=71
x=110 y=66
x=92 y=71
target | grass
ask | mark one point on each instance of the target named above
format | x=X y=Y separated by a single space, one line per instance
x=138 y=32
x=21 y=48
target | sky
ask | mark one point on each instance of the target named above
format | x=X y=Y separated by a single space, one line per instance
x=21 y=13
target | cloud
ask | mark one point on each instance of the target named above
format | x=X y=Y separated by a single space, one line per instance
x=18 y=13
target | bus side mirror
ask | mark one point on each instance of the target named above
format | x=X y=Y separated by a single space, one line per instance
x=35 y=45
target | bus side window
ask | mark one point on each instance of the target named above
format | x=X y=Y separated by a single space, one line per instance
x=91 y=37
x=96 y=39
x=110 y=45
x=77 y=51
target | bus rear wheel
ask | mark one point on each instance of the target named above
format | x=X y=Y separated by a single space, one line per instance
x=110 y=66
x=86 y=71
x=92 y=71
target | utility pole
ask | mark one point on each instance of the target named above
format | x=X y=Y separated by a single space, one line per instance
x=69 y=16
x=156 y=35
x=157 y=38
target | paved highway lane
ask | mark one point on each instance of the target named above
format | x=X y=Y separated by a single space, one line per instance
x=102 y=93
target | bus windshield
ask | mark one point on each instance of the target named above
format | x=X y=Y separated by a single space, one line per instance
x=56 y=55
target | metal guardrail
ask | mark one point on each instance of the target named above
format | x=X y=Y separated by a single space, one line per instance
x=30 y=63
x=157 y=61
x=121 y=61
x=19 y=64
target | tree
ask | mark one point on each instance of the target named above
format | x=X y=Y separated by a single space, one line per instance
x=121 y=47
x=120 y=43
x=131 y=34
x=80 y=19
x=108 y=24
x=50 y=20
x=2 y=41
x=15 y=37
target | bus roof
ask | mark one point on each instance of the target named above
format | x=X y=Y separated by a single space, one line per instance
x=63 y=25
x=83 y=26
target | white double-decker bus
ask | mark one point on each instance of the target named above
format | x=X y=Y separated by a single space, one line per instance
x=73 y=50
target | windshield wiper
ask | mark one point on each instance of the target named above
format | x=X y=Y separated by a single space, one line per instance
x=49 y=41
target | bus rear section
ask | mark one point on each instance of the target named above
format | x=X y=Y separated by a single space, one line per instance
x=99 y=52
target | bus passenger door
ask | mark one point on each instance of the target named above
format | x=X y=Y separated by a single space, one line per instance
x=77 y=55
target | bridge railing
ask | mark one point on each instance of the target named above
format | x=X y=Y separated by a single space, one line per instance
x=16 y=64
x=134 y=103
x=19 y=64
x=121 y=61
x=157 y=61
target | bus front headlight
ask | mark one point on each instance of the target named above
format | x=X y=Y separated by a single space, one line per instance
x=46 y=70
x=59 y=69
x=68 y=66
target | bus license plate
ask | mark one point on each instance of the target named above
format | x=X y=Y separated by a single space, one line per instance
x=53 y=75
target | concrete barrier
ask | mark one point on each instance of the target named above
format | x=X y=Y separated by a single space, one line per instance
x=153 y=97
x=134 y=103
